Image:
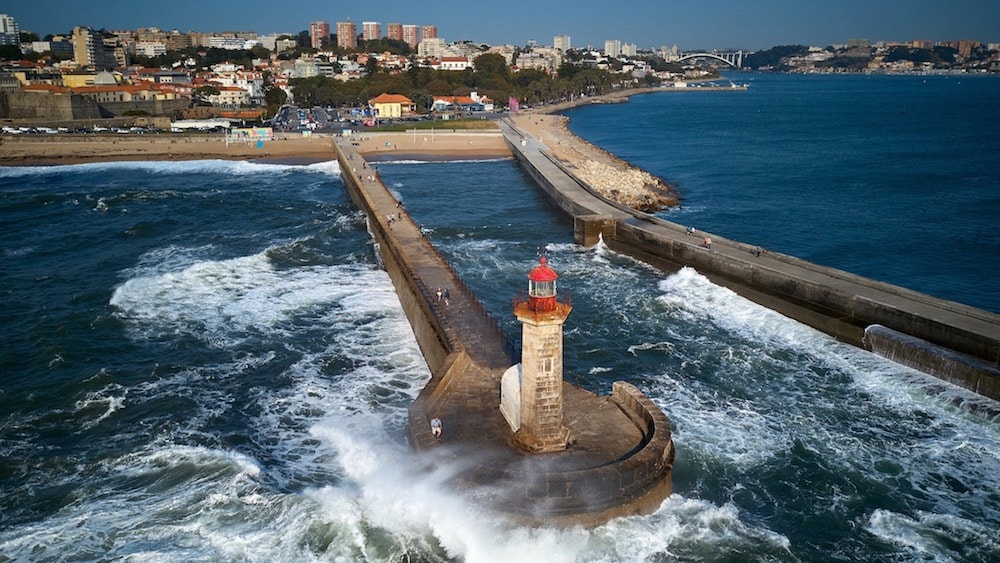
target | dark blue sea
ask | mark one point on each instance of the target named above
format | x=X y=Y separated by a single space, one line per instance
x=895 y=178
x=203 y=361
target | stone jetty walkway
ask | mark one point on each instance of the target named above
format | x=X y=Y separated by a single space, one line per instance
x=580 y=484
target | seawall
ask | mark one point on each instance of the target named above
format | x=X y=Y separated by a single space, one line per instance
x=836 y=302
x=620 y=458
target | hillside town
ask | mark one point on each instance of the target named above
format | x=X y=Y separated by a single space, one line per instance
x=376 y=72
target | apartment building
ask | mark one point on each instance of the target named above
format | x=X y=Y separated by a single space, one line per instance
x=9 y=33
x=411 y=35
x=394 y=31
x=612 y=48
x=91 y=49
x=347 y=35
x=319 y=34
x=371 y=31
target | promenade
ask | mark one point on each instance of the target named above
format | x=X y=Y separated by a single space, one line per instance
x=620 y=454
x=952 y=341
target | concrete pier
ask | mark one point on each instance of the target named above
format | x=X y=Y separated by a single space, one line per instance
x=836 y=302
x=620 y=454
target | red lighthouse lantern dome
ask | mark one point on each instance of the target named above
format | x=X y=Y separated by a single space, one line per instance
x=542 y=287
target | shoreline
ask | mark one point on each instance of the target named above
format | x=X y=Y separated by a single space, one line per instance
x=51 y=150
x=607 y=174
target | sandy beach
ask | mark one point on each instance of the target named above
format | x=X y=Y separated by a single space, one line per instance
x=42 y=149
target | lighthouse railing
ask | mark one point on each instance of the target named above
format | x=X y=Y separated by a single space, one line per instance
x=523 y=298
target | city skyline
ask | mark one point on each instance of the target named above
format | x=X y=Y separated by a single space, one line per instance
x=646 y=23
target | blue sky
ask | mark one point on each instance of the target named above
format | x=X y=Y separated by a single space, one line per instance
x=691 y=25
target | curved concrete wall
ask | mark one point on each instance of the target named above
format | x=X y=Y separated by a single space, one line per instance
x=635 y=484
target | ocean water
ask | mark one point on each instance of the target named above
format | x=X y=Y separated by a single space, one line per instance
x=891 y=177
x=203 y=361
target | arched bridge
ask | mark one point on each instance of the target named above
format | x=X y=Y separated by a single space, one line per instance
x=731 y=58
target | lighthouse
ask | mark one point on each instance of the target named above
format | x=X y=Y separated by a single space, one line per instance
x=540 y=391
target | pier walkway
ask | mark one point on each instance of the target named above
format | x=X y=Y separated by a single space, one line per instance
x=620 y=453
x=920 y=330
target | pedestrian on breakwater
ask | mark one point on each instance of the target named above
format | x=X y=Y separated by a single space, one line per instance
x=440 y=294
x=447 y=297
x=707 y=243
x=690 y=231
x=436 y=427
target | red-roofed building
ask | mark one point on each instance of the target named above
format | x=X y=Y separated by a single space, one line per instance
x=46 y=89
x=472 y=102
x=392 y=105
x=229 y=97
x=454 y=63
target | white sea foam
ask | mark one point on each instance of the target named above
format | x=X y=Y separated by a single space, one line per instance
x=935 y=537
x=174 y=501
x=225 y=167
x=408 y=496
x=222 y=301
x=683 y=528
x=106 y=402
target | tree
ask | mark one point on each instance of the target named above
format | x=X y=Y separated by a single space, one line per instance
x=491 y=64
x=527 y=76
x=773 y=56
x=568 y=70
x=274 y=98
x=439 y=87
x=394 y=46
x=10 y=52
x=260 y=52
x=422 y=98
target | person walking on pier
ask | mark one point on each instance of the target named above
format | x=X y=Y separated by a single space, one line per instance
x=707 y=243
x=447 y=297
x=436 y=428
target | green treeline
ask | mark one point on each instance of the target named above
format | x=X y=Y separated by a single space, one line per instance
x=490 y=77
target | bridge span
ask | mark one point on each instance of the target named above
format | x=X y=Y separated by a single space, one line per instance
x=731 y=58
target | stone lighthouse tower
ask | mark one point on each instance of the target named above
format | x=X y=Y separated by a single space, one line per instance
x=541 y=382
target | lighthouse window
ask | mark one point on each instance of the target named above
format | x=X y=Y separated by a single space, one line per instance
x=547 y=365
x=542 y=288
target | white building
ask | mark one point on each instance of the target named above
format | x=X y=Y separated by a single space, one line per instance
x=232 y=43
x=150 y=48
x=432 y=47
x=9 y=33
x=547 y=60
x=454 y=63
x=561 y=42
x=250 y=82
x=229 y=97
x=613 y=48
x=275 y=45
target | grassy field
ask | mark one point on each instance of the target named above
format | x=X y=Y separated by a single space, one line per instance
x=472 y=123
